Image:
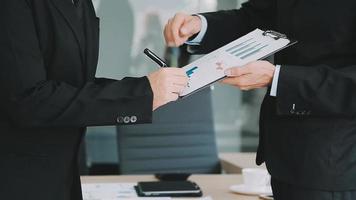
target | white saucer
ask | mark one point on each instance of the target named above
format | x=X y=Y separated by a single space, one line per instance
x=248 y=190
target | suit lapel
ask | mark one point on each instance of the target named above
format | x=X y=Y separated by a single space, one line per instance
x=68 y=11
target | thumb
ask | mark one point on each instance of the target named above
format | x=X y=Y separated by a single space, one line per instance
x=188 y=29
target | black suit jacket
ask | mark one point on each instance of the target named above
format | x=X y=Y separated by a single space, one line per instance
x=49 y=94
x=312 y=145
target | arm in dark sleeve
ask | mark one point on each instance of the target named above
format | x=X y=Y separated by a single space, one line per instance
x=30 y=99
x=317 y=91
x=226 y=26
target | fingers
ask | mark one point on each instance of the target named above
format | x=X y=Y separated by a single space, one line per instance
x=251 y=76
x=180 y=28
x=177 y=89
x=252 y=87
x=238 y=71
x=228 y=81
x=176 y=72
x=173 y=97
x=177 y=80
x=236 y=81
x=187 y=29
x=167 y=84
x=171 y=30
x=176 y=25
x=244 y=82
x=180 y=81
x=250 y=68
x=191 y=27
x=168 y=34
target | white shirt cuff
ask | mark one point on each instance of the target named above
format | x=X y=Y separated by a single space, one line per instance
x=275 y=81
x=199 y=38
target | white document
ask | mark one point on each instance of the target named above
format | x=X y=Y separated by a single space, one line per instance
x=118 y=191
x=108 y=191
x=210 y=68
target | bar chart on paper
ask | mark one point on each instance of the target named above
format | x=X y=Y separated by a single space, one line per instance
x=246 y=49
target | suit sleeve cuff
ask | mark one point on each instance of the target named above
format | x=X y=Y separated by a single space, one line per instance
x=275 y=81
x=199 y=38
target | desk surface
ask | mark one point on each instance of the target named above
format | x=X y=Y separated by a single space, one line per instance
x=216 y=186
x=233 y=163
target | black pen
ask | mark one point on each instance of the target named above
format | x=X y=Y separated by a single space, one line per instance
x=155 y=58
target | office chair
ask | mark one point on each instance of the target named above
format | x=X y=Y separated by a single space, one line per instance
x=180 y=140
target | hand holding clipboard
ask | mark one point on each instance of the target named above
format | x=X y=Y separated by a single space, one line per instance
x=254 y=46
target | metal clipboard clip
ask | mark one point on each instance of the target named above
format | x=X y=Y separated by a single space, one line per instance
x=274 y=34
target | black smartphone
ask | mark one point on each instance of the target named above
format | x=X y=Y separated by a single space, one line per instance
x=168 y=189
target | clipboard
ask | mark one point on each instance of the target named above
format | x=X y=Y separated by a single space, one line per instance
x=256 y=45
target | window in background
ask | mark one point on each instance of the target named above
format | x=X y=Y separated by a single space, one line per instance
x=129 y=26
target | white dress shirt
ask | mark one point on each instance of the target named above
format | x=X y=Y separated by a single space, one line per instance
x=199 y=38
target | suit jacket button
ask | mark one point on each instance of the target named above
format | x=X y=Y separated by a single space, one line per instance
x=133 y=119
x=292 y=111
x=126 y=120
x=120 y=120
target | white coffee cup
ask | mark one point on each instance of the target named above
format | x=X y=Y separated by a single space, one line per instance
x=255 y=177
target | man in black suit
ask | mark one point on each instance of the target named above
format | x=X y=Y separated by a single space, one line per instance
x=49 y=94
x=307 y=126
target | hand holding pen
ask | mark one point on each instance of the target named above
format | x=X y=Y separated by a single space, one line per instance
x=166 y=83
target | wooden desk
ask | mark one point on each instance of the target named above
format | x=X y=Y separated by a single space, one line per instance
x=233 y=163
x=216 y=186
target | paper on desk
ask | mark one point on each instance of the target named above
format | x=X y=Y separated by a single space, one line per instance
x=108 y=191
x=117 y=191
x=211 y=67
